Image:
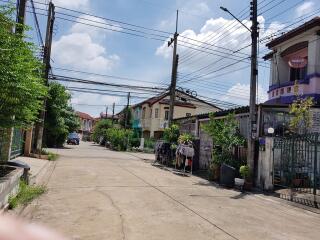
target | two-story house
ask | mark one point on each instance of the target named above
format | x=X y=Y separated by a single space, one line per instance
x=86 y=125
x=295 y=58
x=151 y=116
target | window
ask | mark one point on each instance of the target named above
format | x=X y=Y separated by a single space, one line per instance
x=151 y=113
x=166 y=115
x=188 y=114
x=144 y=113
x=156 y=113
x=277 y=92
x=298 y=73
x=288 y=89
x=272 y=93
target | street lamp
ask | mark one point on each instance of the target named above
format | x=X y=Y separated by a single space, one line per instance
x=253 y=79
x=227 y=10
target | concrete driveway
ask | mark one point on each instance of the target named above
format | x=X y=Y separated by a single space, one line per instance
x=95 y=193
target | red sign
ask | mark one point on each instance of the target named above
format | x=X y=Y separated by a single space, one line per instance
x=298 y=62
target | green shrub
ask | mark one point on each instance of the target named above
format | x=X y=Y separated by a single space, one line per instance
x=245 y=172
x=100 y=129
x=119 y=138
x=26 y=194
x=171 y=134
x=135 y=142
x=185 y=138
x=149 y=143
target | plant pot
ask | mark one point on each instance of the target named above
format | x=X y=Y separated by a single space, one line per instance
x=247 y=185
x=239 y=182
x=215 y=172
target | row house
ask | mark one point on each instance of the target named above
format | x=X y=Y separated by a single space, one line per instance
x=151 y=116
x=86 y=125
x=295 y=64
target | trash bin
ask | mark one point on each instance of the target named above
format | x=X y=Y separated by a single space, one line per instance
x=227 y=175
x=26 y=168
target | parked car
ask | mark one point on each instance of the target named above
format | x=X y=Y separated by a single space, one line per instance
x=73 y=138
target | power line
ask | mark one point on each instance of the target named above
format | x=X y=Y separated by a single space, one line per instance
x=114 y=29
x=109 y=19
x=103 y=75
x=80 y=80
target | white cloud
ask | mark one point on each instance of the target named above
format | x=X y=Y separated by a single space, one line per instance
x=230 y=37
x=240 y=94
x=209 y=32
x=97 y=32
x=81 y=48
x=305 y=8
x=79 y=51
x=74 y=4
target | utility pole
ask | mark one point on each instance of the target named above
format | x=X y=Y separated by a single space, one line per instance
x=127 y=111
x=253 y=85
x=106 y=112
x=22 y=4
x=113 y=105
x=46 y=60
x=175 y=60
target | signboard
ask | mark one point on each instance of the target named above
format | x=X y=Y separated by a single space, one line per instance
x=298 y=62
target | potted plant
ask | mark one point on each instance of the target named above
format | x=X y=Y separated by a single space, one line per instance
x=245 y=173
x=215 y=166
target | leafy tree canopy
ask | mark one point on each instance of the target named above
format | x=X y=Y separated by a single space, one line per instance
x=60 y=118
x=100 y=129
x=225 y=135
x=22 y=85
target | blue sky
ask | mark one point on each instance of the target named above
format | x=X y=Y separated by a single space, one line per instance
x=85 y=48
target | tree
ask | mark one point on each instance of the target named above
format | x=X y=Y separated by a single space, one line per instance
x=225 y=136
x=300 y=110
x=127 y=115
x=100 y=129
x=60 y=118
x=22 y=87
x=171 y=134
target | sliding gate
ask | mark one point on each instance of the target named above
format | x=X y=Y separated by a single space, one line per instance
x=296 y=173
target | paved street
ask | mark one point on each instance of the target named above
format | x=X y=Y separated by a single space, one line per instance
x=99 y=194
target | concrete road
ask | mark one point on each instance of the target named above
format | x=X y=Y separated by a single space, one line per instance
x=99 y=194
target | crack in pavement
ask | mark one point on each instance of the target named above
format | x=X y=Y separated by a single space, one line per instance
x=118 y=210
x=180 y=203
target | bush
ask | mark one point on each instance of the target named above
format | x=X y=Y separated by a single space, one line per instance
x=245 y=172
x=149 y=143
x=135 y=142
x=185 y=138
x=100 y=129
x=171 y=134
x=119 y=138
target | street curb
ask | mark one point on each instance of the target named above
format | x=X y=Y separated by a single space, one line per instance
x=42 y=178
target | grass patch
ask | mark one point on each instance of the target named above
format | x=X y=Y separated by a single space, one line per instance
x=26 y=194
x=51 y=156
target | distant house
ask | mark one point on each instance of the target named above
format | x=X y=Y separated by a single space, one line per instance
x=151 y=116
x=295 y=57
x=86 y=125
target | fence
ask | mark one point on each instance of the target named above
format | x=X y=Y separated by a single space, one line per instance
x=16 y=144
x=296 y=168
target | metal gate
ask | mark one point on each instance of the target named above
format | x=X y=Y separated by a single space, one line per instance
x=17 y=143
x=296 y=173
